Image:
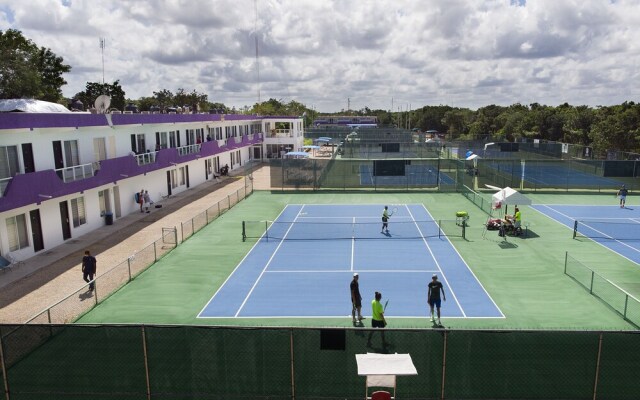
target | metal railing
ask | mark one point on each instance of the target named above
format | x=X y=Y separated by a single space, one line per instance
x=190 y=149
x=75 y=173
x=611 y=294
x=146 y=158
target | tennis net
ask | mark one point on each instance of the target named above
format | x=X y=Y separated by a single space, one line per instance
x=342 y=230
x=613 y=229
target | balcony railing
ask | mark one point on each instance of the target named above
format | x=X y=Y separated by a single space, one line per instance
x=146 y=158
x=76 y=172
x=191 y=149
x=3 y=184
x=280 y=133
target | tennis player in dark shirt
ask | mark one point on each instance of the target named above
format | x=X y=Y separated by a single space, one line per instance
x=433 y=295
x=356 y=299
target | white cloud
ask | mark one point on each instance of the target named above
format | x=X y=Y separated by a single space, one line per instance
x=467 y=53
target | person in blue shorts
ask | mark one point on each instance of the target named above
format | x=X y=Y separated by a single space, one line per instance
x=433 y=295
x=622 y=193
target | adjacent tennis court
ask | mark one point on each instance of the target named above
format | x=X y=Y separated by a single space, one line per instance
x=411 y=175
x=546 y=174
x=611 y=226
x=303 y=262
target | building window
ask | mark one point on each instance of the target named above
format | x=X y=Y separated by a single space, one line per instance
x=174 y=179
x=17 y=232
x=182 y=176
x=173 y=139
x=78 y=212
x=9 y=164
x=71 y=155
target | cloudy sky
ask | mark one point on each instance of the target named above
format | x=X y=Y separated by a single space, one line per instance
x=332 y=54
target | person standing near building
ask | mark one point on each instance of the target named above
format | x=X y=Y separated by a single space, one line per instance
x=147 y=200
x=385 y=220
x=89 y=264
x=377 y=319
x=622 y=193
x=141 y=199
x=356 y=299
x=433 y=296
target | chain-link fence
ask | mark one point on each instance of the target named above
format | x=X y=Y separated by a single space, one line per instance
x=196 y=362
x=82 y=300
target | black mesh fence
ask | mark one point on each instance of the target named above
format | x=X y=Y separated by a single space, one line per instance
x=196 y=362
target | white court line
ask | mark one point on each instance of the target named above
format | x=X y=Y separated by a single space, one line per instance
x=595 y=241
x=235 y=269
x=437 y=263
x=267 y=264
x=467 y=265
x=384 y=271
x=343 y=317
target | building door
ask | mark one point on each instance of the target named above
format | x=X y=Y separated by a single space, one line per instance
x=58 y=158
x=257 y=153
x=168 y=183
x=64 y=220
x=27 y=158
x=36 y=230
x=186 y=172
x=116 y=200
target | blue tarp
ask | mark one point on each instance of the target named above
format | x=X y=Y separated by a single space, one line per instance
x=297 y=154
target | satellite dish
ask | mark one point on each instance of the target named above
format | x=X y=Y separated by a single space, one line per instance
x=102 y=103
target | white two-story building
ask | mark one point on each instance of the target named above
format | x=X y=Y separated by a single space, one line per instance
x=63 y=175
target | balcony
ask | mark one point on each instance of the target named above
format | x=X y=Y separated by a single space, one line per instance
x=280 y=133
x=191 y=149
x=77 y=172
x=3 y=184
x=146 y=158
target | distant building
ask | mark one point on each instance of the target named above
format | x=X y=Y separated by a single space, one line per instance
x=346 y=121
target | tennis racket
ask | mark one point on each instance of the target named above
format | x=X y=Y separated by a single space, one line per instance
x=384 y=309
x=395 y=209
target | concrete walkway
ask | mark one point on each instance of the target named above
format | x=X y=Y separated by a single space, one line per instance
x=44 y=279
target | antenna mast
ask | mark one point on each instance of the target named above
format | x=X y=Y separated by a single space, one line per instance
x=102 y=45
x=255 y=32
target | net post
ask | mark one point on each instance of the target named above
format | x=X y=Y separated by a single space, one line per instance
x=575 y=228
x=439 y=228
x=464 y=228
x=266 y=230
x=244 y=232
x=626 y=303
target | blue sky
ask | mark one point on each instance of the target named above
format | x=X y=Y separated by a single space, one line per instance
x=467 y=53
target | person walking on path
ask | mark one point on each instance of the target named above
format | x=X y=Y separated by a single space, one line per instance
x=433 y=295
x=377 y=319
x=385 y=220
x=356 y=299
x=89 y=268
x=622 y=193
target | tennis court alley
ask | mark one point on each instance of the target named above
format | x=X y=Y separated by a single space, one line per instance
x=304 y=260
x=615 y=228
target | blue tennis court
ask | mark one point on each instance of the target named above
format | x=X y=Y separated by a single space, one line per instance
x=611 y=226
x=414 y=175
x=542 y=174
x=302 y=265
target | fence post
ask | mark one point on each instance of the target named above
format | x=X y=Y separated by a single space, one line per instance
x=146 y=363
x=218 y=210
x=4 y=371
x=49 y=315
x=444 y=363
x=182 y=230
x=595 y=383
x=566 y=257
x=626 y=303
x=591 y=285
x=293 y=376
x=129 y=267
x=206 y=216
x=175 y=235
x=155 y=253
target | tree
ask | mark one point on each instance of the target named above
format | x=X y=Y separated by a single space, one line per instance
x=95 y=89
x=27 y=71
